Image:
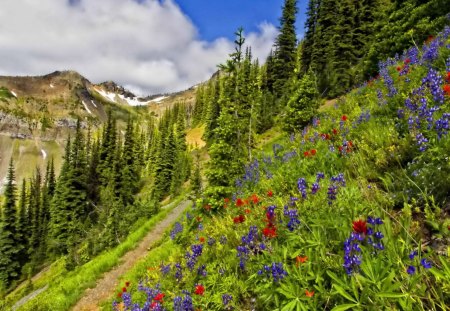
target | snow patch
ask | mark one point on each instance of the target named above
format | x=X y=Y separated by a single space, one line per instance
x=86 y=107
x=108 y=95
x=44 y=154
x=133 y=101
x=15 y=95
x=158 y=99
x=51 y=85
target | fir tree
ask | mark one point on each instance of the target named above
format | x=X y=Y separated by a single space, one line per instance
x=303 y=104
x=9 y=266
x=285 y=43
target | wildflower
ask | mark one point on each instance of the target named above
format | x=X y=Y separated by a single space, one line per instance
x=344 y=118
x=308 y=293
x=239 y=219
x=300 y=259
x=398 y=68
x=254 y=198
x=247 y=211
x=359 y=226
x=207 y=207
x=127 y=283
x=124 y=289
x=335 y=131
x=269 y=232
x=446 y=89
x=275 y=270
x=239 y=202
x=313 y=152
x=426 y=264
x=269 y=193
x=119 y=295
x=226 y=299
x=301 y=185
x=306 y=153
x=159 y=297
x=202 y=239
x=411 y=270
x=199 y=289
x=177 y=229
x=407 y=61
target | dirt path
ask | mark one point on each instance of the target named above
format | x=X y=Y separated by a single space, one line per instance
x=108 y=283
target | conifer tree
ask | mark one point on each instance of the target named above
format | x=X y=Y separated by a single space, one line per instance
x=303 y=104
x=22 y=229
x=9 y=266
x=285 y=44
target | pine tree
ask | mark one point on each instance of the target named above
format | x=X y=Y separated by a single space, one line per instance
x=303 y=104
x=9 y=266
x=22 y=229
x=286 y=44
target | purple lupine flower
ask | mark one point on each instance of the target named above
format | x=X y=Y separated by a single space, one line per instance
x=226 y=299
x=411 y=270
x=425 y=263
x=301 y=185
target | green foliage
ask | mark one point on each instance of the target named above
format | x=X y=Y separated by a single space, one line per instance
x=303 y=104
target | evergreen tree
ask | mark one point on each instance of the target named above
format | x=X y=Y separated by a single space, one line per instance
x=303 y=104
x=285 y=43
x=196 y=178
x=9 y=266
x=22 y=229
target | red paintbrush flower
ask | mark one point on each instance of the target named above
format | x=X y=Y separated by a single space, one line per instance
x=335 y=131
x=313 y=151
x=359 y=226
x=308 y=293
x=398 y=68
x=254 y=198
x=199 y=289
x=202 y=239
x=124 y=289
x=239 y=202
x=306 y=153
x=446 y=89
x=344 y=118
x=119 y=295
x=300 y=259
x=127 y=283
x=407 y=61
x=159 y=297
x=270 y=232
x=270 y=193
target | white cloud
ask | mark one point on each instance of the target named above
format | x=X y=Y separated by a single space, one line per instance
x=149 y=46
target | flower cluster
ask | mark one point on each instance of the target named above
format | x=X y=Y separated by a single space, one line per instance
x=192 y=258
x=275 y=270
x=302 y=187
x=177 y=229
x=183 y=303
x=423 y=262
x=294 y=222
x=336 y=182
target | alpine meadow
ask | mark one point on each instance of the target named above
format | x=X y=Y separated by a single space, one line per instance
x=314 y=178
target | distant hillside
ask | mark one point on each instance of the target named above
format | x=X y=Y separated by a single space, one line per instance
x=37 y=113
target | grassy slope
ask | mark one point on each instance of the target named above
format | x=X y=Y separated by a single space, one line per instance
x=66 y=287
x=385 y=176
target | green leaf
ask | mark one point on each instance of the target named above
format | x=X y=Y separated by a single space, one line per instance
x=290 y=306
x=343 y=293
x=392 y=295
x=344 y=307
x=336 y=279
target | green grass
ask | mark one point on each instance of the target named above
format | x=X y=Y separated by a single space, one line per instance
x=5 y=93
x=66 y=287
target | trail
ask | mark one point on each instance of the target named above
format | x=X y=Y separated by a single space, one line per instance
x=106 y=286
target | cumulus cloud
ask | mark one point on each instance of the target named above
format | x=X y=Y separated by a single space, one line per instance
x=149 y=46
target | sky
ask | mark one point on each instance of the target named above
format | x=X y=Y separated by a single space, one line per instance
x=148 y=46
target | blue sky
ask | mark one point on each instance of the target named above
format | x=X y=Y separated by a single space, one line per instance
x=220 y=18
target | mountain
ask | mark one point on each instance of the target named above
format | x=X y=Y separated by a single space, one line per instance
x=37 y=113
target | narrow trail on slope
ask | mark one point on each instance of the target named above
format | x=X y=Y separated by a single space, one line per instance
x=108 y=283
